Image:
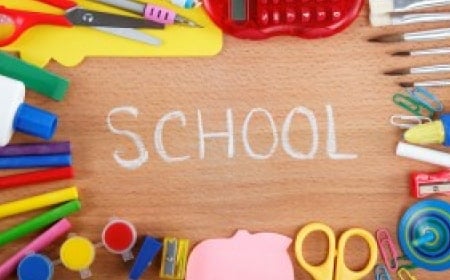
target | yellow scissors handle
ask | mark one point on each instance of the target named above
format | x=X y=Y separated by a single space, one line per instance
x=325 y=270
x=342 y=271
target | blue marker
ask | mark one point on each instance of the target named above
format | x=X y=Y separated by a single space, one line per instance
x=147 y=253
x=35 y=267
x=35 y=161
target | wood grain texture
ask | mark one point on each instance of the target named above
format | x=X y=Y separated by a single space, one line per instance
x=213 y=197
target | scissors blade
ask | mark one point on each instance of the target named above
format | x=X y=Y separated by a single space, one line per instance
x=83 y=17
x=131 y=34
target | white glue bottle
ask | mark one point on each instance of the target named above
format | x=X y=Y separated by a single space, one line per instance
x=16 y=115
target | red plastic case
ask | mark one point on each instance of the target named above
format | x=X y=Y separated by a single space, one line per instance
x=260 y=19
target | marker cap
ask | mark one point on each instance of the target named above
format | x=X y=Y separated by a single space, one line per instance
x=446 y=123
x=35 y=267
x=36 y=122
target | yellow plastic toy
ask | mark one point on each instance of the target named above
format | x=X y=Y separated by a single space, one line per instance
x=70 y=45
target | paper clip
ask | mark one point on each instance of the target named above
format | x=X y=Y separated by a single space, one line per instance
x=174 y=258
x=406 y=122
x=404 y=272
x=413 y=106
x=381 y=272
x=387 y=249
x=425 y=97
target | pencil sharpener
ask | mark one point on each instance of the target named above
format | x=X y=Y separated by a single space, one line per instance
x=260 y=19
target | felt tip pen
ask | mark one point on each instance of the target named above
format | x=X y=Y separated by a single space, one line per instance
x=39 y=222
x=18 y=162
x=437 y=132
x=37 y=202
x=38 y=244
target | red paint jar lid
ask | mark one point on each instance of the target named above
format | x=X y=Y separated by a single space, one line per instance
x=119 y=236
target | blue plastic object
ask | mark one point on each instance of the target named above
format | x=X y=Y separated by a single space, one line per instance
x=36 y=122
x=424 y=234
x=35 y=161
x=446 y=123
x=35 y=267
x=147 y=253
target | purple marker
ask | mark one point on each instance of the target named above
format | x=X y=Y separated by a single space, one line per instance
x=36 y=149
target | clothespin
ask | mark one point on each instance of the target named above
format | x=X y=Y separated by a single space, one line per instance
x=174 y=258
x=387 y=249
x=119 y=237
x=381 y=272
x=144 y=259
x=426 y=184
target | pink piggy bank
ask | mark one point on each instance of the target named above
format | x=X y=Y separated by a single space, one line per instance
x=245 y=256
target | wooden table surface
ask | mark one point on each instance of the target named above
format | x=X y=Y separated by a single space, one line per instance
x=214 y=194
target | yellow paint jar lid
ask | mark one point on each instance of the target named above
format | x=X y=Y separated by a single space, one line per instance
x=77 y=253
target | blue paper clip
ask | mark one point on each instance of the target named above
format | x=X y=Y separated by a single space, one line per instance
x=381 y=272
x=425 y=97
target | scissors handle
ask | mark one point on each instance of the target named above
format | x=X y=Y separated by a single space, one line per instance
x=342 y=271
x=62 y=4
x=23 y=20
x=322 y=271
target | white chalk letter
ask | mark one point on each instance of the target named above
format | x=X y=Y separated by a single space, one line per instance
x=159 y=145
x=227 y=134
x=245 y=140
x=140 y=146
x=331 y=139
x=314 y=129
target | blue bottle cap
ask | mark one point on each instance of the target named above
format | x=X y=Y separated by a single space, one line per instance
x=35 y=267
x=36 y=122
x=147 y=253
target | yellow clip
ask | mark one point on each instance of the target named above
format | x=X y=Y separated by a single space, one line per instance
x=404 y=272
x=174 y=258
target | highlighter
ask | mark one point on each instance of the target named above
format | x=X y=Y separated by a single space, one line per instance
x=437 y=132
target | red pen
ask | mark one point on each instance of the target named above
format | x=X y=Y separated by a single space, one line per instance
x=36 y=177
x=426 y=184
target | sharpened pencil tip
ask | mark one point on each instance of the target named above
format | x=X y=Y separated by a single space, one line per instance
x=397 y=72
x=387 y=38
x=406 y=84
x=401 y=53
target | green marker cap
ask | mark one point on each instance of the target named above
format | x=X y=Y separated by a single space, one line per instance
x=34 y=78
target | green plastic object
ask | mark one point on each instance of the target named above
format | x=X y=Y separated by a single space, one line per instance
x=39 y=222
x=34 y=78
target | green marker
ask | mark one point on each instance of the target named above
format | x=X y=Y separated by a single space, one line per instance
x=39 y=222
x=34 y=78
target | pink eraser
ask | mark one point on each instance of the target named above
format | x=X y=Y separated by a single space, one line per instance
x=38 y=244
x=261 y=256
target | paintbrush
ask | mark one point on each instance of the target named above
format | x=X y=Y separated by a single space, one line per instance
x=402 y=18
x=439 y=83
x=436 y=51
x=427 y=35
x=442 y=68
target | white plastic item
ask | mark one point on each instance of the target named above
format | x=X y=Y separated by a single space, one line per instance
x=12 y=95
x=423 y=154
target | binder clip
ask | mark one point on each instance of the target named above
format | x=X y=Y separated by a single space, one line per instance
x=381 y=272
x=387 y=249
x=35 y=267
x=144 y=259
x=174 y=258
x=119 y=237
x=426 y=184
x=77 y=254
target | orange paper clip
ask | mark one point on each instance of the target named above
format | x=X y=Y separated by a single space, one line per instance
x=387 y=249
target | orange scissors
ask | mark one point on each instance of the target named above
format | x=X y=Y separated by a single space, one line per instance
x=13 y=23
x=334 y=265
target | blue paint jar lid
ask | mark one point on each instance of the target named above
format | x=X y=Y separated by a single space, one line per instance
x=35 y=121
x=35 y=267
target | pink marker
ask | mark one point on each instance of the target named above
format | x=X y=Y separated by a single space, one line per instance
x=38 y=244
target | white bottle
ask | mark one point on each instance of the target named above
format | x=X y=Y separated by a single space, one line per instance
x=16 y=115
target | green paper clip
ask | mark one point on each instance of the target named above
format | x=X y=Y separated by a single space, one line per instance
x=413 y=106
x=34 y=78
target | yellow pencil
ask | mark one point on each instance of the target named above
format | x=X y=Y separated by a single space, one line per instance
x=37 y=202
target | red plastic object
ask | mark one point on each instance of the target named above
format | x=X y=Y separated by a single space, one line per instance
x=260 y=19
x=426 y=184
x=119 y=236
x=36 y=177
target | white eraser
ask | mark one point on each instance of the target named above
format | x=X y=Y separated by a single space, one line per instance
x=423 y=154
x=381 y=6
x=380 y=19
x=12 y=94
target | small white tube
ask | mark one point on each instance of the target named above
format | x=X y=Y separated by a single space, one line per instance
x=423 y=154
